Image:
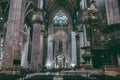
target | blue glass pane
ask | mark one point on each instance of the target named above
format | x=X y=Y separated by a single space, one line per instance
x=60 y=19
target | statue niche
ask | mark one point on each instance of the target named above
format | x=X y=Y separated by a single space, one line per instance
x=60 y=49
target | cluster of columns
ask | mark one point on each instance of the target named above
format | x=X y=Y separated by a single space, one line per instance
x=12 y=47
x=15 y=48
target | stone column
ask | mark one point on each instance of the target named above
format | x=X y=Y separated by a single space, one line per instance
x=37 y=41
x=14 y=35
x=37 y=47
x=25 y=47
x=73 y=48
x=65 y=52
x=85 y=36
x=112 y=10
x=49 y=62
x=78 y=48
x=81 y=42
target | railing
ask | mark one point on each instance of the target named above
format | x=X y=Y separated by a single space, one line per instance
x=111 y=68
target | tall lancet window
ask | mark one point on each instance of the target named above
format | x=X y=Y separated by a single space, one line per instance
x=60 y=19
x=60 y=46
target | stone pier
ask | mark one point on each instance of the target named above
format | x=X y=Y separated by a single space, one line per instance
x=12 y=48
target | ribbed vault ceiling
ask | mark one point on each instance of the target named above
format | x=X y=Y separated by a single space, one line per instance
x=69 y=5
x=49 y=5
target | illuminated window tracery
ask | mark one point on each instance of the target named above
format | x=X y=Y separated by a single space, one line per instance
x=60 y=19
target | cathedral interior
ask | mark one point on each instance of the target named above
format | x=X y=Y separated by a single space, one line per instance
x=52 y=34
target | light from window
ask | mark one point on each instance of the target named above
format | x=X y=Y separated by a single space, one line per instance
x=60 y=19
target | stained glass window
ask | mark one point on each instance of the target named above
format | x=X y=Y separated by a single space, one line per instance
x=60 y=19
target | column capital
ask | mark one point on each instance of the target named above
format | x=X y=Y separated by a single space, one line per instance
x=37 y=17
